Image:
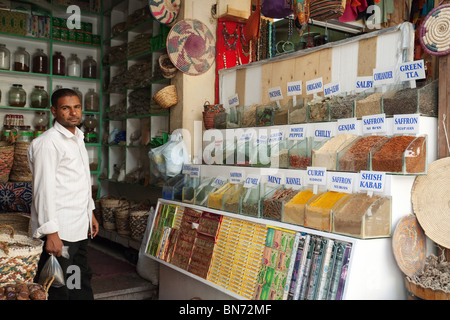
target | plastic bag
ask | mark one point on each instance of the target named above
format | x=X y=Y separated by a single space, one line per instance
x=175 y=155
x=52 y=268
x=157 y=162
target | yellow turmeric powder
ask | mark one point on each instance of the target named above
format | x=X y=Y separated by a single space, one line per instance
x=328 y=199
x=215 y=200
x=294 y=210
x=318 y=211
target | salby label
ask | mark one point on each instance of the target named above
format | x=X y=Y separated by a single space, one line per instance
x=363 y=83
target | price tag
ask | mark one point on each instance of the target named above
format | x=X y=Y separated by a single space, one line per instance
x=252 y=180
x=332 y=89
x=341 y=182
x=374 y=123
x=364 y=83
x=406 y=123
x=236 y=176
x=317 y=176
x=372 y=181
x=314 y=86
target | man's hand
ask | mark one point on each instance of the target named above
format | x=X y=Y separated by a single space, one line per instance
x=54 y=244
x=95 y=226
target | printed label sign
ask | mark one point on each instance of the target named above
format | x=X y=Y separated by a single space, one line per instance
x=414 y=70
x=406 y=123
x=276 y=135
x=294 y=182
x=275 y=180
x=372 y=181
x=383 y=76
x=233 y=101
x=374 y=123
x=350 y=126
x=316 y=175
x=252 y=180
x=341 y=182
x=332 y=89
x=363 y=83
x=275 y=94
x=218 y=182
x=236 y=176
x=294 y=88
x=314 y=86
x=191 y=170
x=297 y=132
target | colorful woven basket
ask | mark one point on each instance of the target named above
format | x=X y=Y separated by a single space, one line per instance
x=6 y=161
x=19 y=256
x=164 y=11
x=435 y=31
x=191 y=47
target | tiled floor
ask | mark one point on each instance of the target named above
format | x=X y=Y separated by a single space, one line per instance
x=129 y=286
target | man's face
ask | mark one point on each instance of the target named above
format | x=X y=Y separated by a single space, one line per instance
x=68 y=112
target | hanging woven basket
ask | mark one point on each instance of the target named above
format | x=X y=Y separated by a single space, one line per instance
x=166 y=97
x=168 y=70
x=435 y=31
x=6 y=160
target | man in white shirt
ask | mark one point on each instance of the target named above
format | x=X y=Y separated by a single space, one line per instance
x=62 y=205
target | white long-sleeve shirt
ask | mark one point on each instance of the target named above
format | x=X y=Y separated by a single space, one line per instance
x=62 y=198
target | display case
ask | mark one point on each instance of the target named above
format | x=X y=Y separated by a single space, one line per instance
x=401 y=154
x=298 y=111
x=405 y=100
x=190 y=184
x=279 y=149
x=318 y=211
x=259 y=151
x=294 y=210
x=363 y=216
x=246 y=149
x=232 y=198
x=325 y=155
x=356 y=156
x=173 y=188
x=273 y=204
x=318 y=109
x=300 y=154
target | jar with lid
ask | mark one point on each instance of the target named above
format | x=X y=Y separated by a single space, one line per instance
x=5 y=57
x=91 y=101
x=25 y=134
x=90 y=123
x=40 y=62
x=59 y=64
x=39 y=97
x=21 y=60
x=74 y=66
x=40 y=121
x=89 y=68
x=7 y=132
x=17 y=96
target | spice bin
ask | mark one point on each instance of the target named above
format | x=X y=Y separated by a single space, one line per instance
x=318 y=211
x=298 y=112
x=363 y=216
x=318 y=109
x=294 y=210
x=356 y=156
x=273 y=205
x=259 y=152
x=190 y=183
x=264 y=115
x=280 y=115
x=341 y=107
x=248 y=116
x=300 y=154
x=325 y=155
x=215 y=199
x=232 y=197
x=249 y=202
x=246 y=148
x=401 y=154
x=203 y=190
x=228 y=119
x=367 y=104
x=401 y=100
x=173 y=188
x=279 y=150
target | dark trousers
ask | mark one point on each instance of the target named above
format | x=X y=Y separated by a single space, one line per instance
x=78 y=257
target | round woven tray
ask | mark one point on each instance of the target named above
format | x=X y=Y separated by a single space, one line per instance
x=430 y=200
x=435 y=31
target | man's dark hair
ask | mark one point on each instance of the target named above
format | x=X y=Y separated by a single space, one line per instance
x=65 y=92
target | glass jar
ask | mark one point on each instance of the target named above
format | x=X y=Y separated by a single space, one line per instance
x=90 y=122
x=74 y=66
x=5 y=57
x=40 y=62
x=80 y=95
x=59 y=64
x=40 y=121
x=25 y=134
x=39 y=97
x=17 y=96
x=89 y=68
x=91 y=101
x=21 y=60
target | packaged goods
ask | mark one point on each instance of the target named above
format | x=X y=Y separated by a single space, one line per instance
x=326 y=155
x=318 y=211
x=363 y=216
